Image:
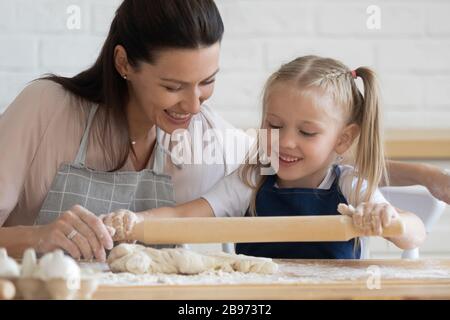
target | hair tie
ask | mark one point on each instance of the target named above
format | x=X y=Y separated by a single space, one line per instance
x=353 y=72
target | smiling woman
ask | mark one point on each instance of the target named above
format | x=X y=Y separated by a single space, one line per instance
x=96 y=143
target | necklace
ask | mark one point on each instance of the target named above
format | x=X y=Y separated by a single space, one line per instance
x=134 y=141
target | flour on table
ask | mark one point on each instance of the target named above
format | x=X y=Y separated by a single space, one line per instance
x=138 y=259
x=288 y=272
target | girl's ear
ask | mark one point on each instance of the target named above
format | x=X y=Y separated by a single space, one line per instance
x=346 y=138
x=121 y=60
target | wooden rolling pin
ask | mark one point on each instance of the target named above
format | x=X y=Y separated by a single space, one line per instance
x=252 y=229
x=7 y=290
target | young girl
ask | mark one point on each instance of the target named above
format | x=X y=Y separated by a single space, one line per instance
x=320 y=113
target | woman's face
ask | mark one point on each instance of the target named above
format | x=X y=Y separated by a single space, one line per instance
x=168 y=92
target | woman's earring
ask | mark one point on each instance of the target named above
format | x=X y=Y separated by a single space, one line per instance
x=339 y=159
x=125 y=76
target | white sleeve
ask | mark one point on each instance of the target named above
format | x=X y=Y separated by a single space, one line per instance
x=348 y=182
x=230 y=197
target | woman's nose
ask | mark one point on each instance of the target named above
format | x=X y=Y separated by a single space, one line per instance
x=193 y=101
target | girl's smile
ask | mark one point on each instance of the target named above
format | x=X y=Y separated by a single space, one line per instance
x=288 y=160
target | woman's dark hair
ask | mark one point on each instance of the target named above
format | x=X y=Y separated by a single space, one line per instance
x=142 y=27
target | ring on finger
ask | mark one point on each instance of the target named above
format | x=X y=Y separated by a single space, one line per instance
x=72 y=234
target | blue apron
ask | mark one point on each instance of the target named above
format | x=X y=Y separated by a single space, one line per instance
x=272 y=201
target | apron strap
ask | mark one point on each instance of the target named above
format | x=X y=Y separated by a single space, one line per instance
x=160 y=154
x=80 y=159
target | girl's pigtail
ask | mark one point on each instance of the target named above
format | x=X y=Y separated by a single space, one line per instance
x=370 y=161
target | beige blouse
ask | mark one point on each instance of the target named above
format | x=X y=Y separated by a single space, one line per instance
x=42 y=129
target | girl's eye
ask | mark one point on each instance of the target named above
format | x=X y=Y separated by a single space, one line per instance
x=272 y=126
x=308 y=134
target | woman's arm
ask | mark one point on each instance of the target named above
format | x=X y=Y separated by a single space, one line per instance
x=22 y=126
x=415 y=234
x=17 y=239
x=436 y=180
x=89 y=241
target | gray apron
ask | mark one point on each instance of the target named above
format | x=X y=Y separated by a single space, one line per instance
x=104 y=192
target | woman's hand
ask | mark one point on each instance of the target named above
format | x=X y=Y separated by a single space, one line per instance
x=122 y=222
x=438 y=183
x=77 y=231
x=370 y=218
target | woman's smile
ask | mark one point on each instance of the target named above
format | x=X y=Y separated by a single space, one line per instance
x=178 y=118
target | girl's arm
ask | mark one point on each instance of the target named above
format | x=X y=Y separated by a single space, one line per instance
x=415 y=231
x=371 y=218
x=123 y=221
x=229 y=197
x=195 y=208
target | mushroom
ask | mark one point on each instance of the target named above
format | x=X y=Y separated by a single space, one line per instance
x=29 y=264
x=61 y=274
x=29 y=285
x=8 y=266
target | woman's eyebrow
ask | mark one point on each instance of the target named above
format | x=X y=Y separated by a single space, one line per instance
x=184 y=82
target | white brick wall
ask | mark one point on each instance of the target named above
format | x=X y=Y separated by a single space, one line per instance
x=411 y=51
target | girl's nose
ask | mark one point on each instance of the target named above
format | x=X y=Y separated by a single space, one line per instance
x=287 y=140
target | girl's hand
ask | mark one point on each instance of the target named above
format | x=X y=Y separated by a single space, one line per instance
x=121 y=222
x=77 y=231
x=370 y=218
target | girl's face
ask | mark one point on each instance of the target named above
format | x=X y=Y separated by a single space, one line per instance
x=170 y=91
x=309 y=126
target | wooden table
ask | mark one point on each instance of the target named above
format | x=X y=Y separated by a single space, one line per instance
x=432 y=285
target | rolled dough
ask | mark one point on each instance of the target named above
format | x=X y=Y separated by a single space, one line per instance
x=138 y=259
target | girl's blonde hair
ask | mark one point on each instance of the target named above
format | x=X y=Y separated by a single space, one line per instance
x=336 y=79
